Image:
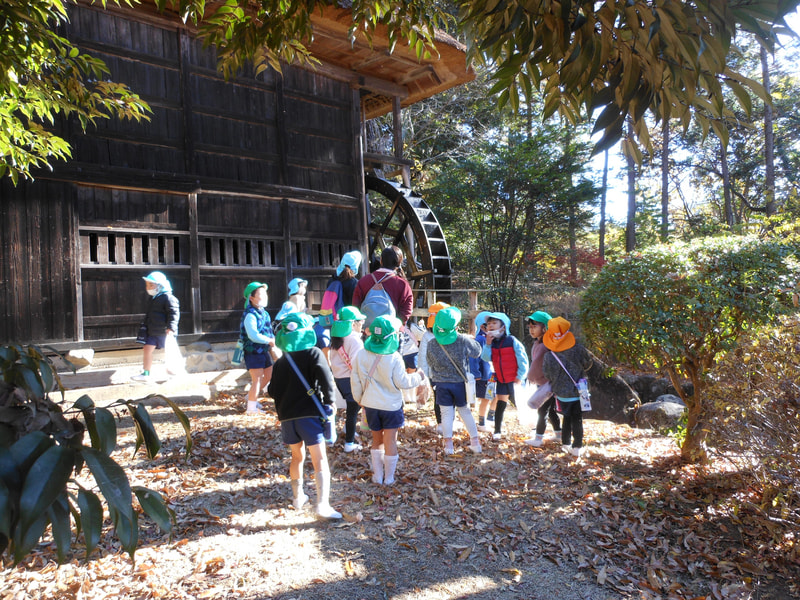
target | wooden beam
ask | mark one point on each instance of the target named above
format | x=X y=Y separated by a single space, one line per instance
x=359 y=81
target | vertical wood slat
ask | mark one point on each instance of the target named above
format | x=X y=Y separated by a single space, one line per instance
x=281 y=133
x=77 y=296
x=185 y=67
x=194 y=261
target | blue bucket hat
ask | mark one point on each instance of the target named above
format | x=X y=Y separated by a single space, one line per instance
x=287 y=309
x=294 y=285
x=500 y=316
x=159 y=279
x=480 y=318
x=351 y=259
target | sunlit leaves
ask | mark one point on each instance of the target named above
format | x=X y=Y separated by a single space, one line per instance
x=42 y=76
x=667 y=57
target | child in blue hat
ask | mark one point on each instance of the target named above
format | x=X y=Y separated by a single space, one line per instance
x=510 y=363
x=160 y=320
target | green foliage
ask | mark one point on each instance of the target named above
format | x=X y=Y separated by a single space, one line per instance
x=268 y=33
x=510 y=203
x=41 y=448
x=675 y=308
x=43 y=76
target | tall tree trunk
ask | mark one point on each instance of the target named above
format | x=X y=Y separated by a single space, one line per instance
x=726 y=186
x=665 y=180
x=630 y=226
x=602 y=244
x=573 y=258
x=769 y=139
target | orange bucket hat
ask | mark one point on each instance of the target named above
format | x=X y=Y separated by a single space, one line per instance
x=432 y=310
x=558 y=337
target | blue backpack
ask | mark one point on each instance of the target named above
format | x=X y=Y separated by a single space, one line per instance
x=377 y=302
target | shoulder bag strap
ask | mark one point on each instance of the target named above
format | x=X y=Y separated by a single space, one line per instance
x=345 y=356
x=372 y=370
x=565 y=370
x=460 y=372
x=309 y=390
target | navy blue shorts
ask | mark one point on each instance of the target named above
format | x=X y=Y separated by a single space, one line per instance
x=343 y=383
x=384 y=419
x=504 y=389
x=480 y=388
x=410 y=360
x=450 y=394
x=156 y=340
x=307 y=429
x=257 y=360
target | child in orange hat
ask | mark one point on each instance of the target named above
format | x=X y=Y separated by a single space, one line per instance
x=567 y=363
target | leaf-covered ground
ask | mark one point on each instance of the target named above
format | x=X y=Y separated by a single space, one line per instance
x=625 y=521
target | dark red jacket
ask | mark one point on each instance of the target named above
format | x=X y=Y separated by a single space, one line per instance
x=398 y=289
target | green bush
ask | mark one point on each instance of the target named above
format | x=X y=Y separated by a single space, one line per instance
x=42 y=449
x=675 y=308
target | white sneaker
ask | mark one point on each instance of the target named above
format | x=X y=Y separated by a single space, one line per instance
x=497 y=436
x=142 y=378
x=577 y=452
x=352 y=446
x=326 y=512
x=566 y=449
x=300 y=501
x=475 y=448
x=485 y=427
x=536 y=441
x=556 y=436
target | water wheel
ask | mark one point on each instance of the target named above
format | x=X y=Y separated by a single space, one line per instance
x=399 y=216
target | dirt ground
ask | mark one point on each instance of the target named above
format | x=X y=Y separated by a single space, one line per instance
x=625 y=521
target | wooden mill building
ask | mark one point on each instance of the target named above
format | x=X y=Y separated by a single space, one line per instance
x=261 y=178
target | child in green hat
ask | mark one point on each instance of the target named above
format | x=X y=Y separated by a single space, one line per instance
x=448 y=357
x=378 y=380
x=537 y=325
x=345 y=345
x=302 y=422
x=255 y=331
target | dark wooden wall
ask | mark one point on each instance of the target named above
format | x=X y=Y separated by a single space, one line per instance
x=257 y=178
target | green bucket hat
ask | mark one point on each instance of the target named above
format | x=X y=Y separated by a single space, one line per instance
x=444 y=326
x=351 y=313
x=296 y=332
x=383 y=337
x=344 y=326
x=252 y=287
x=540 y=317
x=341 y=328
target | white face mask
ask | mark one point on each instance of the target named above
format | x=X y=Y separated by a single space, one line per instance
x=152 y=292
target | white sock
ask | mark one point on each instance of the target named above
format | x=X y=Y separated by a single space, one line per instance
x=377 y=466
x=448 y=416
x=389 y=467
x=469 y=421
